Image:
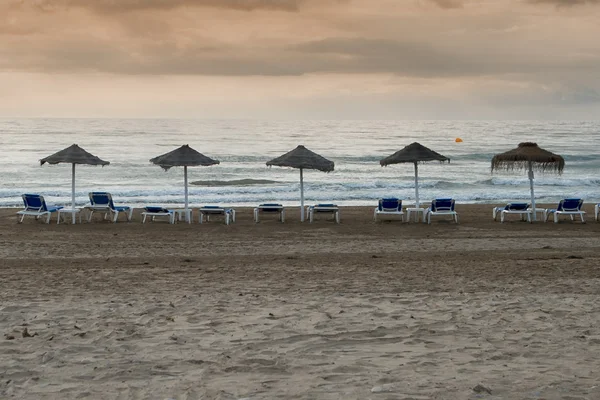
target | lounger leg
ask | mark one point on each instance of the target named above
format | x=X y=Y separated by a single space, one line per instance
x=129 y=214
x=144 y=218
x=556 y=218
x=256 y=215
x=283 y=216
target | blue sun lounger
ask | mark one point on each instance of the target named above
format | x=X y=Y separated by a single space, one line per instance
x=103 y=202
x=270 y=208
x=441 y=207
x=570 y=207
x=35 y=206
x=388 y=209
x=156 y=211
x=207 y=211
x=324 y=209
x=521 y=209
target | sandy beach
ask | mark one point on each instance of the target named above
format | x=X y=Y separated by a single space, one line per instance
x=300 y=311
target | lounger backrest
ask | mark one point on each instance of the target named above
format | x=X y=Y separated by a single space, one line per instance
x=517 y=206
x=326 y=205
x=101 y=199
x=570 y=205
x=442 y=205
x=34 y=202
x=390 y=204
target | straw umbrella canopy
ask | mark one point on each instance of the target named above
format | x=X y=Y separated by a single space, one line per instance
x=528 y=156
x=414 y=153
x=184 y=157
x=302 y=158
x=73 y=155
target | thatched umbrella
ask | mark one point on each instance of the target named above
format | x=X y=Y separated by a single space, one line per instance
x=184 y=157
x=529 y=156
x=414 y=153
x=73 y=155
x=302 y=158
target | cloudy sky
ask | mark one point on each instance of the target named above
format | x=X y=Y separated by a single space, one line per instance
x=321 y=59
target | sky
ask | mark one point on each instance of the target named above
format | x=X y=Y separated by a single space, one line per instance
x=301 y=59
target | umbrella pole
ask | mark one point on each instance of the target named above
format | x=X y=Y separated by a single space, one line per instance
x=73 y=192
x=531 y=188
x=185 y=183
x=301 y=196
x=417 y=185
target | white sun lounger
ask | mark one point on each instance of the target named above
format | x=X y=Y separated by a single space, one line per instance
x=388 y=209
x=570 y=207
x=442 y=207
x=35 y=206
x=103 y=202
x=207 y=211
x=270 y=208
x=521 y=209
x=154 y=212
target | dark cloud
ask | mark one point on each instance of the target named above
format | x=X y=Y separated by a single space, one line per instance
x=117 y=6
x=564 y=3
x=449 y=3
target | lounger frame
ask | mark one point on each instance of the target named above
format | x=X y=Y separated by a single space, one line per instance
x=270 y=209
x=441 y=210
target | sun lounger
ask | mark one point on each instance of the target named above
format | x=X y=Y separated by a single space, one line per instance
x=272 y=208
x=103 y=202
x=154 y=212
x=35 y=206
x=324 y=209
x=570 y=207
x=388 y=209
x=207 y=211
x=441 y=207
x=521 y=209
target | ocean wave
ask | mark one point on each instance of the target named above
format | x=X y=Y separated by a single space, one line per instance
x=235 y=182
x=543 y=181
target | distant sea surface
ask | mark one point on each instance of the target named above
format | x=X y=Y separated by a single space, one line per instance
x=243 y=148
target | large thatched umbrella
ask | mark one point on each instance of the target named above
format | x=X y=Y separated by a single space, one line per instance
x=184 y=157
x=302 y=158
x=73 y=155
x=529 y=156
x=414 y=153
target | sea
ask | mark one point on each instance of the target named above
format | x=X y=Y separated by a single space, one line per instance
x=244 y=146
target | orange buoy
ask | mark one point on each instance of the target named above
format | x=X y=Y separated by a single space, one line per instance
x=458 y=140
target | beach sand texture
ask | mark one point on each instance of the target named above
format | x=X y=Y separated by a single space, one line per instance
x=300 y=311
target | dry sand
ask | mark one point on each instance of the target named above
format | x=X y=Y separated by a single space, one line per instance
x=300 y=311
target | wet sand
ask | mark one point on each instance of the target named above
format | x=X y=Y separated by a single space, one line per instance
x=300 y=311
